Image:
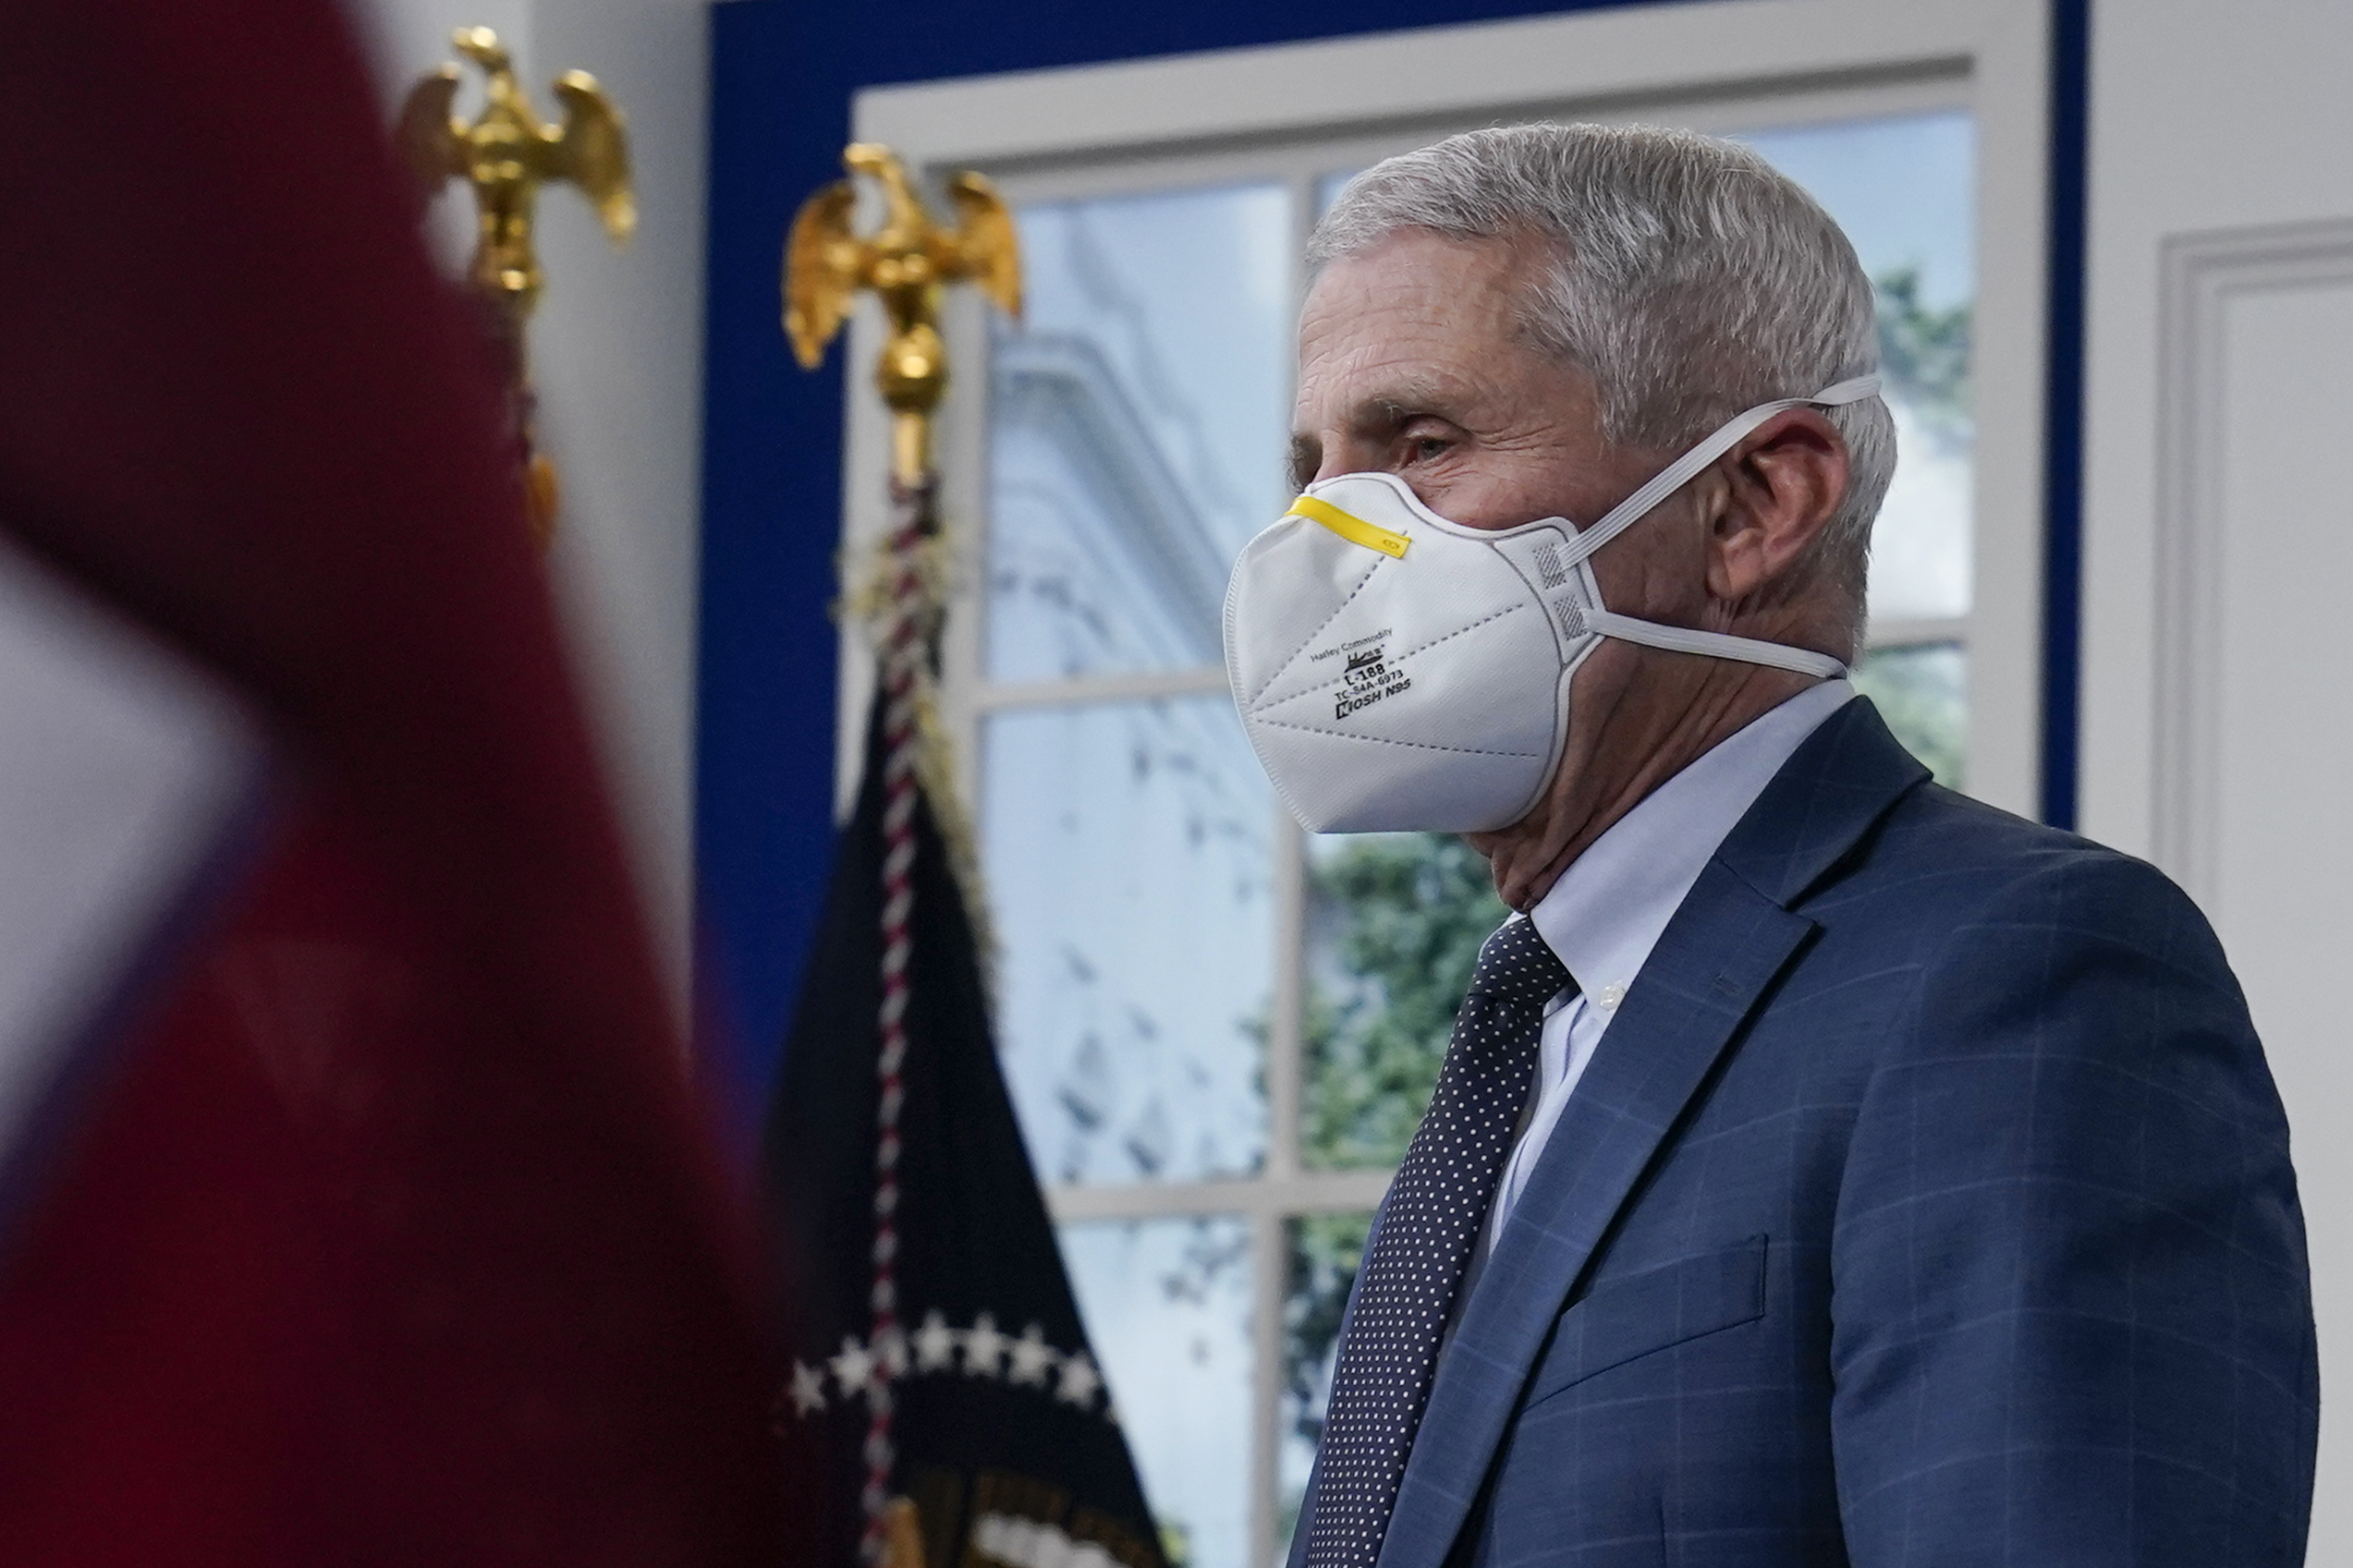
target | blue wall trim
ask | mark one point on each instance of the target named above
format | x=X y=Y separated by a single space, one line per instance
x=2063 y=439
x=783 y=75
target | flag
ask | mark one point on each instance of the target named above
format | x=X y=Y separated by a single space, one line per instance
x=1003 y=1446
x=358 y=1209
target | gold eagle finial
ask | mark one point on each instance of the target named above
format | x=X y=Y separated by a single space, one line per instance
x=508 y=152
x=506 y=155
x=907 y=262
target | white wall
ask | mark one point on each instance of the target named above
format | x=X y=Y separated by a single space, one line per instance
x=2204 y=116
x=2218 y=731
x=617 y=351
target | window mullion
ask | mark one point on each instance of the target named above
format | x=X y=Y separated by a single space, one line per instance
x=1285 y=1072
x=1270 y=1261
x=1284 y=1081
x=1284 y=1067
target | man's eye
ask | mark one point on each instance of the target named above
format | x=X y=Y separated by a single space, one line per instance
x=1426 y=448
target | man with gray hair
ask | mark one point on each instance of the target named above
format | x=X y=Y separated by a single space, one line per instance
x=1825 y=1168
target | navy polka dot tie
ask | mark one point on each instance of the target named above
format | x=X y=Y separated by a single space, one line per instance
x=1406 y=1291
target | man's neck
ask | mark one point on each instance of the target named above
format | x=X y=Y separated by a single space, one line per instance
x=1591 y=793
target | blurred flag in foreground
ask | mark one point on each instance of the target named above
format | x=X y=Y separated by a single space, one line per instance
x=352 y=1206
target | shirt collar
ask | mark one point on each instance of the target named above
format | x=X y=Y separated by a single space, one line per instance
x=1609 y=908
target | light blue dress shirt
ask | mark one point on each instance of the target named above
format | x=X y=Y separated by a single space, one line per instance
x=1608 y=909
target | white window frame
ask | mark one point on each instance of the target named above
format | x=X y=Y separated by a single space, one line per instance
x=1293 y=110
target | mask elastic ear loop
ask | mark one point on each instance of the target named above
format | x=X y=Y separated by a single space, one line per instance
x=1716 y=645
x=1677 y=474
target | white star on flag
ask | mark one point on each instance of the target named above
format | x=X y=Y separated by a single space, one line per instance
x=983 y=1347
x=1032 y=1357
x=808 y=1389
x=853 y=1367
x=1071 y=1377
x=934 y=1344
x=1080 y=1381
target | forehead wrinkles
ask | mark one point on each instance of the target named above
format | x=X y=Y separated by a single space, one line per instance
x=1379 y=382
x=1382 y=387
x=1417 y=299
x=1372 y=365
x=1421 y=278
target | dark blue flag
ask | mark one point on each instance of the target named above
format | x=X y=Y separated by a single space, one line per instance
x=1002 y=1444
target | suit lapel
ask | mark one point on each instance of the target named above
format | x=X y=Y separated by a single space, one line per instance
x=1732 y=936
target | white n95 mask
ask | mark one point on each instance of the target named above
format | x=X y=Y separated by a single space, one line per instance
x=1396 y=670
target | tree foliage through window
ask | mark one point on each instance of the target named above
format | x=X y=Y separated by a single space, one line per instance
x=1400 y=919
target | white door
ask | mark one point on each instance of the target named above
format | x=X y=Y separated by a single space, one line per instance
x=2219 y=543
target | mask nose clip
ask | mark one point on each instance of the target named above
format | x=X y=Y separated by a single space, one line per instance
x=1350 y=527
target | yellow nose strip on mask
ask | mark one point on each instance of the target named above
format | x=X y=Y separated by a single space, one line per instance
x=1353 y=529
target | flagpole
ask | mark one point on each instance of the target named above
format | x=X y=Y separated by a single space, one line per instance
x=907 y=264
x=505 y=155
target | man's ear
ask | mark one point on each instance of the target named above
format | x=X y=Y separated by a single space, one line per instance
x=1783 y=482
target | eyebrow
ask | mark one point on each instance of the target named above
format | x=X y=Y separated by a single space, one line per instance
x=1410 y=397
x=1307 y=453
x=1407 y=399
x=1394 y=407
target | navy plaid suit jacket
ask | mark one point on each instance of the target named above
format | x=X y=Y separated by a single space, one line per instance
x=1928 y=1202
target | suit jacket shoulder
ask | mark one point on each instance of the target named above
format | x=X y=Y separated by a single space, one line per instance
x=1926 y=1201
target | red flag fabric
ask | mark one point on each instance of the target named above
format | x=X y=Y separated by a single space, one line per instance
x=390 y=1233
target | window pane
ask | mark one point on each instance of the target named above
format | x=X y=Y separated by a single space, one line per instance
x=1324 y=1251
x=1127 y=851
x=1905 y=190
x=1923 y=694
x=1167 y=1304
x=1137 y=427
x=1394 y=924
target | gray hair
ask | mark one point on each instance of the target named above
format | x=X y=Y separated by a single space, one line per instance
x=1690 y=279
